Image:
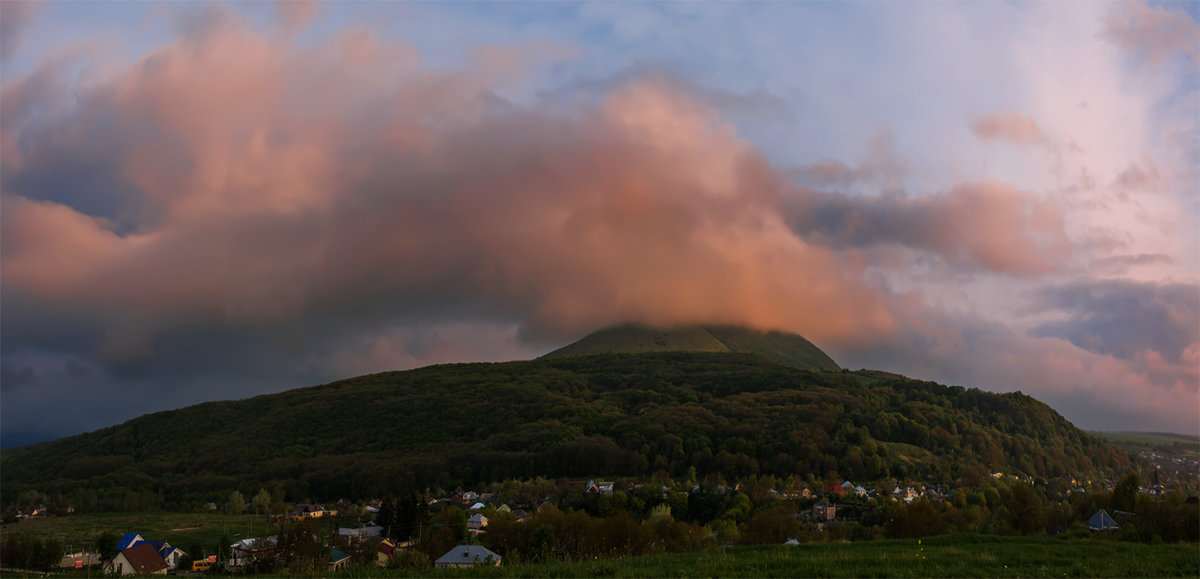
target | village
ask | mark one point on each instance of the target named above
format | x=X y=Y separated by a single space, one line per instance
x=345 y=533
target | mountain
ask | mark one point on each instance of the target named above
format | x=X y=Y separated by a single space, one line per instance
x=781 y=347
x=608 y=415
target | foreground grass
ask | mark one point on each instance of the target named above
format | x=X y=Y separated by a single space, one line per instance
x=180 y=529
x=947 y=556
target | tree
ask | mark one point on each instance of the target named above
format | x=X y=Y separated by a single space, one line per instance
x=223 y=548
x=237 y=503
x=106 y=544
x=1125 y=493
x=1026 y=508
x=774 y=525
x=261 y=504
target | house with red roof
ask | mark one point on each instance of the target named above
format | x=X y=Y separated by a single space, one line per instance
x=140 y=559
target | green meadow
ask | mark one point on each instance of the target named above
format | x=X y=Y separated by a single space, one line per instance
x=78 y=531
x=945 y=556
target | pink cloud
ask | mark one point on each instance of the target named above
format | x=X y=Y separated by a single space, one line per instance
x=1154 y=33
x=262 y=183
x=987 y=224
x=1010 y=126
x=296 y=15
x=404 y=191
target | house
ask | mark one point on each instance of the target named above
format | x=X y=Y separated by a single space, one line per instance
x=169 y=554
x=384 y=551
x=337 y=559
x=128 y=540
x=791 y=542
x=477 y=506
x=467 y=556
x=246 y=550
x=906 y=494
x=1102 y=522
x=311 y=512
x=140 y=559
x=605 y=487
x=521 y=515
x=476 y=523
x=360 y=532
x=824 y=511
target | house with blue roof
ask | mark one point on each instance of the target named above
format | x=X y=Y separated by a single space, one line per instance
x=170 y=555
x=129 y=540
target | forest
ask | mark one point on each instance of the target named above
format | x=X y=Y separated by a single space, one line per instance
x=609 y=415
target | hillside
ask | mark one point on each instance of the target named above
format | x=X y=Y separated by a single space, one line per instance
x=781 y=347
x=602 y=415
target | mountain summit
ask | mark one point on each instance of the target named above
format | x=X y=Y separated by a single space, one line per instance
x=780 y=347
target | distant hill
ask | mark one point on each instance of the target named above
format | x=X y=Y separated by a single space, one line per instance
x=606 y=415
x=781 y=347
x=1185 y=446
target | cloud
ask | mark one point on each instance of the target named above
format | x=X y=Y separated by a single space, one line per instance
x=1126 y=318
x=882 y=164
x=403 y=192
x=1153 y=33
x=1139 y=177
x=15 y=17
x=296 y=15
x=12 y=378
x=1094 y=390
x=987 y=225
x=1010 y=126
x=237 y=211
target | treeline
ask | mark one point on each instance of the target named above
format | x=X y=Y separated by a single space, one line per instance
x=615 y=525
x=630 y=522
x=613 y=415
x=24 y=551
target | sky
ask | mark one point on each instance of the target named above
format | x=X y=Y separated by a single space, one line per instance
x=207 y=201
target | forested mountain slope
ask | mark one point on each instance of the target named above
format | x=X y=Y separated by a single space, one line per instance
x=601 y=415
x=781 y=347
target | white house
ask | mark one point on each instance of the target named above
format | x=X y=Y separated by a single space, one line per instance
x=140 y=559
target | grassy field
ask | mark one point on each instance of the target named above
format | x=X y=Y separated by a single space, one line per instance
x=947 y=556
x=179 y=529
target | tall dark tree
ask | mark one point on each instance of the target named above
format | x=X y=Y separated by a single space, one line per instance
x=1125 y=493
x=106 y=544
x=1026 y=508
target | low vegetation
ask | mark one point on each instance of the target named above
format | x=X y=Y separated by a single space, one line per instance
x=949 y=556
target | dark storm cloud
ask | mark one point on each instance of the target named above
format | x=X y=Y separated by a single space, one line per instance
x=12 y=377
x=1126 y=318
